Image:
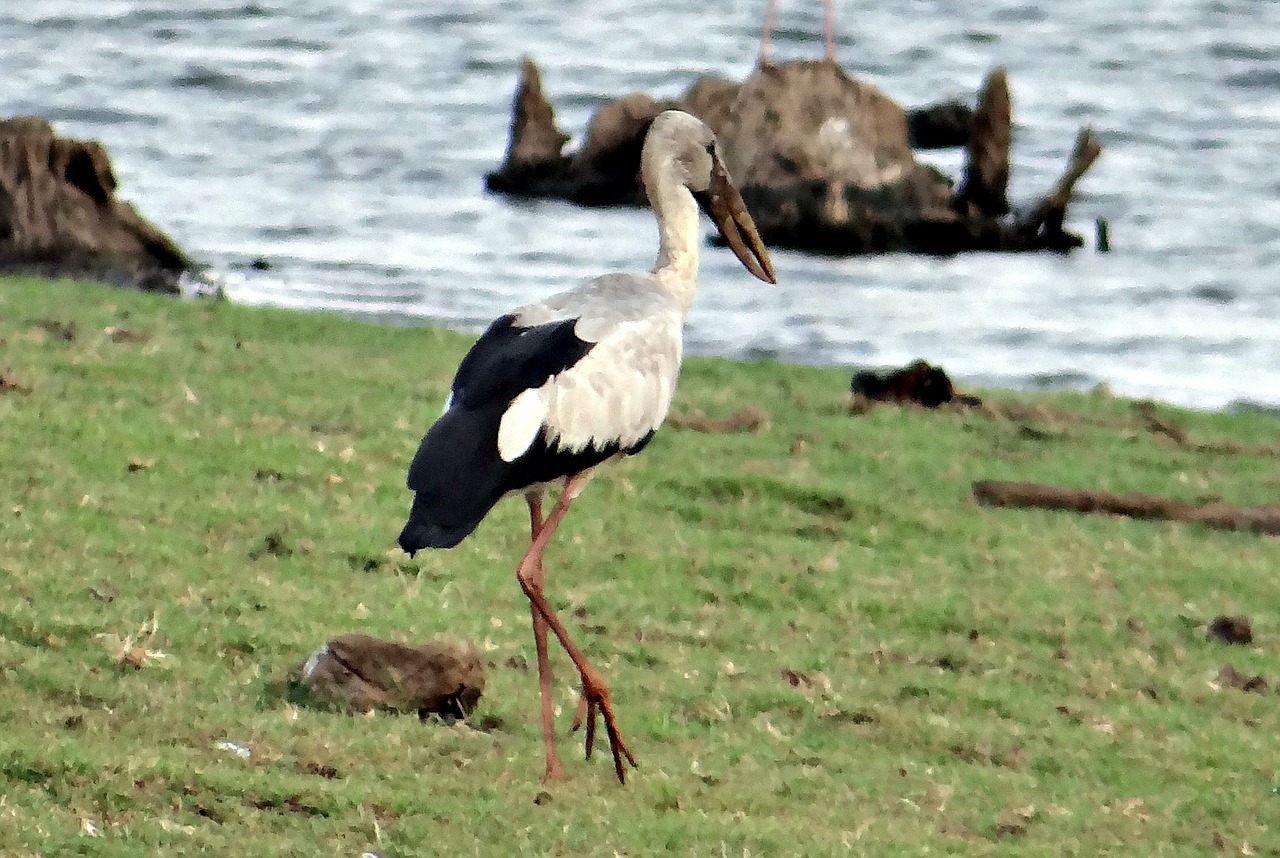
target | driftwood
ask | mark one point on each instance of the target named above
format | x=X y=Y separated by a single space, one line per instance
x=824 y=161
x=60 y=216
x=1044 y=226
x=1224 y=516
x=1158 y=425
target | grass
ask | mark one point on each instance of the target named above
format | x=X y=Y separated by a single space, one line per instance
x=817 y=643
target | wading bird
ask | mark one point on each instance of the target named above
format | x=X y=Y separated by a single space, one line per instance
x=828 y=32
x=554 y=389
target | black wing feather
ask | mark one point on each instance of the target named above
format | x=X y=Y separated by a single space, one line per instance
x=457 y=472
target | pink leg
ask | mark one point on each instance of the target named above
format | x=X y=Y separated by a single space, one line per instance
x=829 y=29
x=540 y=627
x=766 y=50
x=594 y=692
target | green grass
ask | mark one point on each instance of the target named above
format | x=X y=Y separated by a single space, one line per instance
x=971 y=681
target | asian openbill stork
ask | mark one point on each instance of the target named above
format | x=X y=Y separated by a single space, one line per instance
x=554 y=389
x=828 y=32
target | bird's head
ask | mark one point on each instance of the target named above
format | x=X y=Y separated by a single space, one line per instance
x=695 y=154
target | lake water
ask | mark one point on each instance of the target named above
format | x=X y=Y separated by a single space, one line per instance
x=346 y=142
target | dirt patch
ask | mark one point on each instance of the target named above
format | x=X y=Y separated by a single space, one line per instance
x=283 y=804
x=130 y=336
x=310 y=767
x=10 y=383
x=57 y=330
x=1229 y=677
x=750 y=418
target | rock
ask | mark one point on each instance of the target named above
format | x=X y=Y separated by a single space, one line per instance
x=711 y=100
x=824 y=162
x=363 y=673
x=606 y=167
x=59 y=214
x=940 y=126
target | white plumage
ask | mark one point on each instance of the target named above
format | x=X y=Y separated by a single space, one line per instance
x=555 y=388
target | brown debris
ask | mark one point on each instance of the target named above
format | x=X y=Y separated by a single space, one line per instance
x=138 y=463
x=920 y=382
x=60 y=216
x=10 y=383
x=58 y=330
x=323 y=770
x=1231 y=630
x=363 y=673
x=1229 y=677
x=126 y=335
x=750 y=418
x=808 y=682
x=1158 y=424
x=1223 y=516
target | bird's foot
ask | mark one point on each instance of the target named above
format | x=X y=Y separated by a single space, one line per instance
x=555 y=772
x=595 y=701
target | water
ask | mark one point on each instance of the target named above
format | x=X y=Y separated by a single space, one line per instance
x=346 y=144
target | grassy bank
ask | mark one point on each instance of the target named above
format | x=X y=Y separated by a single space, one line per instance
x=818 y=644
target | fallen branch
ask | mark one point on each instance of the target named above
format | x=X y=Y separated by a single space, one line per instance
x=749 y=419
x=1258 y=519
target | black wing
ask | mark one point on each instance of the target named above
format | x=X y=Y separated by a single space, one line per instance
x=457 y=472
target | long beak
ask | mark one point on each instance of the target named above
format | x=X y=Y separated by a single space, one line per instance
x=722 y=202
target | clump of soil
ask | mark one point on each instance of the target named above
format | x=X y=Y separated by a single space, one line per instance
x=1231 y=630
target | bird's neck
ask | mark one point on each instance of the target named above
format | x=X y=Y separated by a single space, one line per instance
x=677 y=265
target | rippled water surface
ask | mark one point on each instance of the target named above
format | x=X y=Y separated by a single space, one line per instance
x=346 y=144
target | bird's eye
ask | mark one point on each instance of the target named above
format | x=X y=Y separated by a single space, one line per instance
x=711 y=148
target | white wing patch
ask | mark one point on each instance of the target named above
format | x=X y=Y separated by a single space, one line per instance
x=620 y=391
x=520 y=425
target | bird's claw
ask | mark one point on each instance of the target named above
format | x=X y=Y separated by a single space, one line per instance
x=593 y=702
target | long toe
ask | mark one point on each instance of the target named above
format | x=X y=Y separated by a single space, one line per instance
x=595 y=702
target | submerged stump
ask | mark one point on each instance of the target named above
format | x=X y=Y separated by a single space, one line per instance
x=825 y=161
x=60 y=216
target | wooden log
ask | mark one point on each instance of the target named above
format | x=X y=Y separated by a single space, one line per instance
x=1224 y=516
